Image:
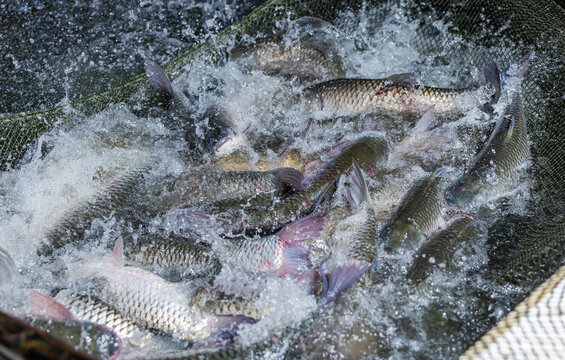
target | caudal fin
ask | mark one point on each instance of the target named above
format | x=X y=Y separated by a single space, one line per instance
x=8 y=268
x=158 y=78
x=289 y=176
x=357 y=191
x=308 y=227
x=339 y=279
x=295 y=251
x=45 y=306
x=493 y=77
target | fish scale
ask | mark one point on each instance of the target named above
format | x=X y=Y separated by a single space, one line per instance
x=417 y=215
x=303 y=60
x=368 y=151
x=91 y=309
x=366 y=95
x=505 y=149
x=441 y=246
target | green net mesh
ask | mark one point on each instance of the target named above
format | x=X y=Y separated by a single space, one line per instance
x=508 y=29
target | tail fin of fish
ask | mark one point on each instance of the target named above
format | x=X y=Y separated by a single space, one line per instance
x=8 y=268
x=521 y=67
x=289 y=176
x=295 y=258
x=308 y=227
x=42 y=305
x=340 y=279
x=295 y=251
x=158 y=78
x=425 y=122
x=493 y=77
x=357 y=192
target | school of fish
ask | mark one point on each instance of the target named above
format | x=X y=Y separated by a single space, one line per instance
x=312 y=220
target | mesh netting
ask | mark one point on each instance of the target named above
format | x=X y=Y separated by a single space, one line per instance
x=507 y=29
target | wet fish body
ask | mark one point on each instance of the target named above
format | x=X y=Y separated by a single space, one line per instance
x=356 y=96
x=505 y=149
x=22 y=340
x=91 y=309
x=216 y=186
x=285 y=252
x=438 y=250
x=214 y=132
x=177 y=254
x=364 y=244
x=417 y=215
x=154 y=303
x=304 y=60
x=369 y=152
x=72 y=227
x=103 y=342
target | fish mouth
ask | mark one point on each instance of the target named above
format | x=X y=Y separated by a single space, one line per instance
x=222 y=142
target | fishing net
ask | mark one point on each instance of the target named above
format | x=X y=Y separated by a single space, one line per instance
x=534 y=246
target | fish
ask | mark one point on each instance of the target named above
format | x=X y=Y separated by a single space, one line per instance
x=364 y=244
x=417 y=215
x=213 y=132
x=337 y=279
x=369 y=152
x=285 y=253
x=181 y=257
x=439 y=249
x=396 y=94
x=89 y=308
x=506 y=148
x=216 y=186
x=22 y=340
x=56 y=319
x=212 y=301
x=152 y=302
x=307 y=60
x=73 y=225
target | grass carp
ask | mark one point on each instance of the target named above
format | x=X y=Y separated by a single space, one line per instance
x=505 y=149
x=417 y=215
x=395 y=94
x=439 y=249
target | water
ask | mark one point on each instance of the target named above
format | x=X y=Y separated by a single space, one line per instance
x=387 y=317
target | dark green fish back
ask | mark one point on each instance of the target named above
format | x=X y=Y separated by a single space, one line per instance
x=440 y=247
x=73 y=226
x=507 y=145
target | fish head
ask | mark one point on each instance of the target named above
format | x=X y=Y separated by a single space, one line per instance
x=219 y=135
x=231 y=138
x=401 y=236
x=463 y=190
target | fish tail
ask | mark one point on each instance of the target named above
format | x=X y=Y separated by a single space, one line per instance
x=522 y=66
x=340 y=279
x=158 y=78
x=295 y=250
x=357 y=193
x=45 y=306
x=493 y=77
x=289 y=176
x=294 y=258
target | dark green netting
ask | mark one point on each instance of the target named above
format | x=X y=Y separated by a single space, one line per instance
x=507 y=29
